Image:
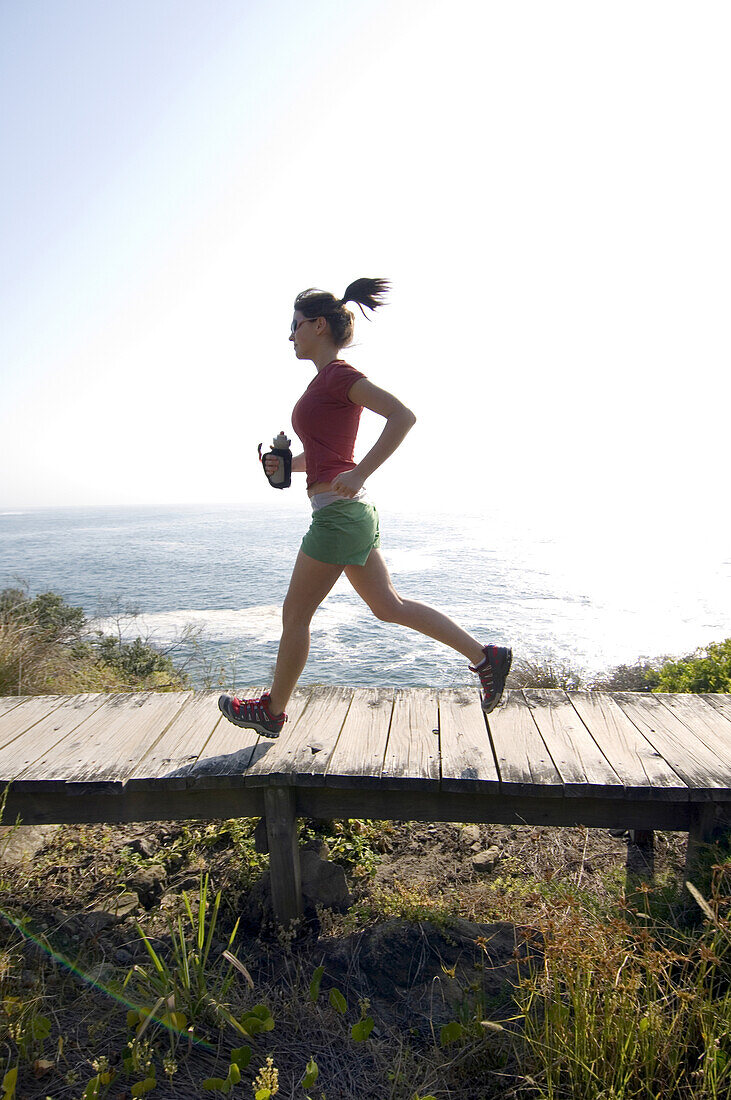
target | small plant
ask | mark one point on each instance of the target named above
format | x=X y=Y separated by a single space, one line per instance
x=183 y=986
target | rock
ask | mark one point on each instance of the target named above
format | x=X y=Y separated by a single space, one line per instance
x=469 y=835
x=323 y=883
x=421 y=974
x=124 y=905
x=122 y=957
x=145 y=845
x=318 y=846
x=148 y=883
x=91 y=924
x=21 y=842
x=487 y=861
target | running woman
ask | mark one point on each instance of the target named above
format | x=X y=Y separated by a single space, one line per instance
x=344 y=536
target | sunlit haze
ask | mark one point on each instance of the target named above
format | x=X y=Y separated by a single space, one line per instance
x=546 y=186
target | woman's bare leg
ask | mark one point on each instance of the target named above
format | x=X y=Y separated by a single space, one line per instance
x=373 y=584
x=311 y=581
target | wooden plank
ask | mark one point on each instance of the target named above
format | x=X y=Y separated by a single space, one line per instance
x=302 y=757
x=10 y=702
x=25 y=757
x=167 y=763
x=641 y=768
x=690 y=758
x=412 y=753
x=467 y=761
x=721 y=703
x=227 y=753
x=581 y=764
x=109 y=744
x=706 y=724
x=524 y=762
x=17 y=720
x=357 y=758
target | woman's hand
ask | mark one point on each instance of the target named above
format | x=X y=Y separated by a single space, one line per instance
x=347 y=484
x=271 y=464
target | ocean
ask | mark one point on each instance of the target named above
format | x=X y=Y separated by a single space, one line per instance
x=207 y=584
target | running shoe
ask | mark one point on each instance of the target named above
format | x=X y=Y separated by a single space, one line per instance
x=493 y=672
x=253 y=714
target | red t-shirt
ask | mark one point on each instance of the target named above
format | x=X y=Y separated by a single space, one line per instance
x=327 y=422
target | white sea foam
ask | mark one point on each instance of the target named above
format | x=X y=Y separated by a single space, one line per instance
x=262 y=623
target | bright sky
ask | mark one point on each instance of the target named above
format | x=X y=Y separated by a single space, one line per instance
x=546 y=185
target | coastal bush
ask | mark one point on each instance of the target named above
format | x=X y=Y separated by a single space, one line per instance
x=708 y=669
x=47 y=646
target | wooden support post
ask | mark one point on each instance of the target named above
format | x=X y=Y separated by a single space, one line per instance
x=284 y=856
x=699 y=835
x=640 y=856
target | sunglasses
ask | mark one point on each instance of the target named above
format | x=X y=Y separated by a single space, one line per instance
x=296 y=324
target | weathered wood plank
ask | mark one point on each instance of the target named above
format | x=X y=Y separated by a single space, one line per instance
x=26 y=757
x=641 y=768
x=467 y=761
x=720 y=703
x=109 y=744
x=687 y=756
x=19 y=719
x=523 y=760
x=706 y=724
x=302 y=755
x=181 y=745
x=412 y=752
x=357 y=758
x=582 y=766
x=228 y=752
x=10 y=703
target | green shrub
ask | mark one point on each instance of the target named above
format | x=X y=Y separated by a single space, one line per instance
x=46 y=648
x=708 y=669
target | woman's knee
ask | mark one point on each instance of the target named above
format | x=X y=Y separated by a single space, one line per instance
x=388 y=609
x=296 y=612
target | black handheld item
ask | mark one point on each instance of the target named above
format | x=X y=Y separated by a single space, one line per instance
x=282 y=476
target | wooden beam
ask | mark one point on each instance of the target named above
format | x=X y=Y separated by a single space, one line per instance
x=699 y=837
x=284 y=856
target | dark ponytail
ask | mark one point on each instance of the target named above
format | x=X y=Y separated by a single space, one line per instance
x=319 y=303
x=367 y=292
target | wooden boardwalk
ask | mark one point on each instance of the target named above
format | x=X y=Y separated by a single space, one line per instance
x=620 y=760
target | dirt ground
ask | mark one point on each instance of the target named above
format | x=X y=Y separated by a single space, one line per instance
x=436 y=922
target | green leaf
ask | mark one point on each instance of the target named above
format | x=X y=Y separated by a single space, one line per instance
x=315 y=983
x=263 y=1094
x=241 y=1056
x=142 y=1087
x=234 y=1074
x=362 y=1029
x=40 y=1027
x=133 y=1018
x=312 y=1072
x=175 y=1021
x=257 y=1019
x=338 y=1002
x=10 y=1080
x=450 y=1033
x=214 y=1084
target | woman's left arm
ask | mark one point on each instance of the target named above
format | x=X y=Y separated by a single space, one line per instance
x=399 y=421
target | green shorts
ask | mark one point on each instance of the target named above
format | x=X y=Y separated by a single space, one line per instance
x=343 y=533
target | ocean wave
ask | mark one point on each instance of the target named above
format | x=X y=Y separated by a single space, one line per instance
x=263 y=622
